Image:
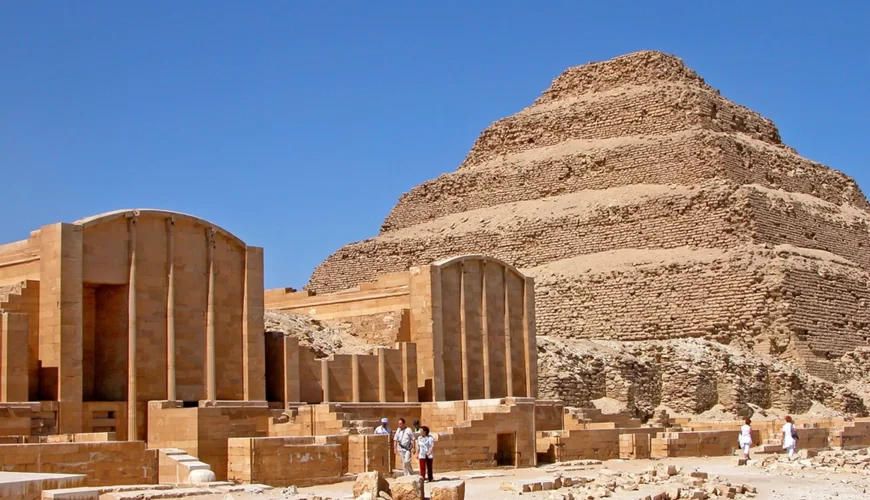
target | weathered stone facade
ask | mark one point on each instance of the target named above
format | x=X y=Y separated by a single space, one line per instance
x=647 y=206
x=685 y=376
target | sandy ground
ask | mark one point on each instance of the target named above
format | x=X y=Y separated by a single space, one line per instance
x=777 y=484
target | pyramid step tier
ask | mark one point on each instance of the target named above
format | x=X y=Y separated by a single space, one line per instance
x=654 y=110
x=644 y=67
x=688 y=157
x=532 y=233
x=778 y=301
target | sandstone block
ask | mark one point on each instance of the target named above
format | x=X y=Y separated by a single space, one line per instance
x=370 y=482
x=407 y=488
x=449 y=490
x=515 y=486
x=72 y=494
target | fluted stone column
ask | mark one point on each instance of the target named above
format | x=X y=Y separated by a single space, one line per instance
x=170 y=310
x=463 y=331
x=382 y=375
x=354 y=378
x=211 y=382
x=132 y=399
x=324 y=374
x=484 y=331
x=509 y=361
x=529 y=338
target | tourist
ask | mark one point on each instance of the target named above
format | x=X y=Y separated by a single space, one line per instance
x=789 y=437
x=425 y=445
x=384 y=428
x=416 y=424
x=404 y=446
x=745 y=438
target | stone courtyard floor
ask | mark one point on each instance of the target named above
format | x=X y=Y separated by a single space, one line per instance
x=785 y=483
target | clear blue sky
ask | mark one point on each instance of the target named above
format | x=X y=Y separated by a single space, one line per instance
x=297 y=125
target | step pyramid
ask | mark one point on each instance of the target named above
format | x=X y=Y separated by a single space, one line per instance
x=647 y=206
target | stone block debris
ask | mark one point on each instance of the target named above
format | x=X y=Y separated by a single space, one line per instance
x=407 y=488
x=372 y=483
x=447 y=490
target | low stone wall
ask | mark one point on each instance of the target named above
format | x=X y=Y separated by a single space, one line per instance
x=306 y=460
x=549 y=415
x=104 y=463
x=289 y=461
x=25 y=486
x=368 y=453
x=697 y=444
x=203 y=431
x=599 y=444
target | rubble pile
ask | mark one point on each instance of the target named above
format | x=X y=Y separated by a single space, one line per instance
x=822 y=461
x=662 y=482
x=321 y=339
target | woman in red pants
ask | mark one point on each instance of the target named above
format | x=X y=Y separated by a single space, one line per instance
x=425 y=445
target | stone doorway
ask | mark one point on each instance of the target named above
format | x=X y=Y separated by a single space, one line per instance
x=506 y=449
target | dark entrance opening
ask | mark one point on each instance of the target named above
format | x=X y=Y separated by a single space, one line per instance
x=506 y=447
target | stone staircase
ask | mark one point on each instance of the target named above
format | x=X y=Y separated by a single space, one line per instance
x=326 y=419
x=14 y=297
x=593 y=418
x=469 y=444
x=176 y=466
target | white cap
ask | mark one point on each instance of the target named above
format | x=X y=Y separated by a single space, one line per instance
x=384 y=420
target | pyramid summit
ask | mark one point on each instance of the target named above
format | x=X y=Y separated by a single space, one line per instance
x=648 y=207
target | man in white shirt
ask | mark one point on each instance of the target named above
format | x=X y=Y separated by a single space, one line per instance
x=384 y=428
x=405 y=446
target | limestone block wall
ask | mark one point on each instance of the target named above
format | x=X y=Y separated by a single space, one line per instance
x=23 y=297
x=287 y=461
x=667 y=294
x=304 y=461
x=367 y=453
x=104 y=463
x=802 y=221
x=549 y=415
x=16 y=419
x=827 y=310
x=598 y=444
x=19 y=261
x=696 y=444
x=14 y=376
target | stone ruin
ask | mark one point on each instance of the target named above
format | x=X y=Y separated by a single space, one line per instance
x=632 y=235
x=650 y=209
x=134 y=351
